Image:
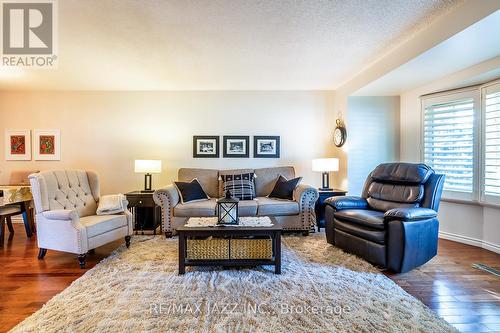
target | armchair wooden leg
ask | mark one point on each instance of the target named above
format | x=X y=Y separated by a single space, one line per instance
x=305 y=233
x=81 y=260
x=127 y=241
x=168 y=234
x=41 y=253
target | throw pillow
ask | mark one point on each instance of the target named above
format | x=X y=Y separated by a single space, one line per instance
x=191 y=191
x=111 y=204
x=240 y=185
x=283 y=188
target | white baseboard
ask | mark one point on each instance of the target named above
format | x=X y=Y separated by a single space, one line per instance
x=470 y=241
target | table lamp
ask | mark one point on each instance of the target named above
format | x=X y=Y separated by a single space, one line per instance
x=325 y=165
x=147 y=167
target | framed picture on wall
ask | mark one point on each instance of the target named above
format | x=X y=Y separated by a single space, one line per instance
x=266 y=146
x=47 y=145
x=18 y=145
x=205 y=146
x=236 y=146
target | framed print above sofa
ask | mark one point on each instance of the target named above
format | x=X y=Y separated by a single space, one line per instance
x=266 y=146
x=236 y=146
x=205 y=146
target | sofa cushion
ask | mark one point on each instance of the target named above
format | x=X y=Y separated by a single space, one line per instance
x=247 y=207
x=239 y=185
x=206 y=177
x=265 y=178
x=197 y=208
x=374 y=235
x=97 y=225
x=368 y=218
x=229 y=172
x=274 y=207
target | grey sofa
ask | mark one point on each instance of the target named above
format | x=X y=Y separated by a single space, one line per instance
x=297 y=214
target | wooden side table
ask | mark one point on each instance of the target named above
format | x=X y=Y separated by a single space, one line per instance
x=320 y=205
x=147 y=215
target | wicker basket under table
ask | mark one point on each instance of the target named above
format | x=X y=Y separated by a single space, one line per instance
x=229 y=246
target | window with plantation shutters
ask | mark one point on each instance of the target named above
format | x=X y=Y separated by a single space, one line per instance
x=449 y=141
x=461 y=139
x=491 y=143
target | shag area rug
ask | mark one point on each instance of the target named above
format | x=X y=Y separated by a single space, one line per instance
x=321 y=289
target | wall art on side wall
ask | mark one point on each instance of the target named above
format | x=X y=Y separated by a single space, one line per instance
x=47 y=145
x=205 y=146
x=18 y=145
x=236 y=146
x=266 y=146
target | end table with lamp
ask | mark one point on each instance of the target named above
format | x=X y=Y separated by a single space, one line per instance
x=325 y=166
x=147 y=167
x=147 y=215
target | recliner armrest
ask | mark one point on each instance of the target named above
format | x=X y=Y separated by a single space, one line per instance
x=347 y=202
x=61 y=214
x=409 y=214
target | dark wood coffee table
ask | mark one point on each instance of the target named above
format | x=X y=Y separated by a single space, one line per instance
x=273 y=232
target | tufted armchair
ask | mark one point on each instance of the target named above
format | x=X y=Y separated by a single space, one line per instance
x=394 y=223
x=66 y=203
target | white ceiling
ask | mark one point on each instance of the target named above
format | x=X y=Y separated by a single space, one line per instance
x=476 y=44
x=222 y=44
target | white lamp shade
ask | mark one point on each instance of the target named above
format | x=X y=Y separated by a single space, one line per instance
x=147 y=166
x=325 y=164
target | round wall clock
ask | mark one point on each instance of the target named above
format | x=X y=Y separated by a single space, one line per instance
x=339 y=134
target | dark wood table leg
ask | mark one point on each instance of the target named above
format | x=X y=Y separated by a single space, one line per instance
x=26 y=220
x=277 y=253
x=31 y=215
x=8 y=220
x=2 y=230
x=182 y=253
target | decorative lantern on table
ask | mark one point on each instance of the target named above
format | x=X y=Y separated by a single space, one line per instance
x=227 y=210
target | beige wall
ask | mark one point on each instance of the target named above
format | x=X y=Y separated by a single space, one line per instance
x=106 y=131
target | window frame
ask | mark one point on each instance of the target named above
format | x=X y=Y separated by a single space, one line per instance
x=483 y=197
x=449 y=96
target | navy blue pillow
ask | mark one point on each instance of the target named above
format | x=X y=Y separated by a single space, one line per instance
x=283 y=189
x=191 y=191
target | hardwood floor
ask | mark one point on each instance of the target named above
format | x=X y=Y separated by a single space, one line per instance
x=466 y=297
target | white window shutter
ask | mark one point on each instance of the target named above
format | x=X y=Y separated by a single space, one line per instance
x=491 y=144
x=449 y=142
